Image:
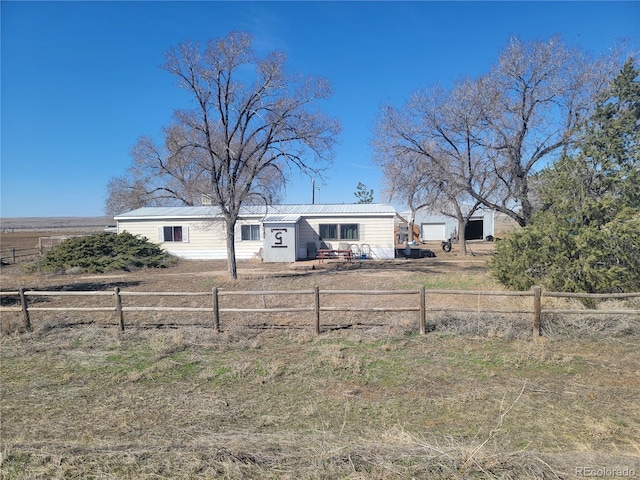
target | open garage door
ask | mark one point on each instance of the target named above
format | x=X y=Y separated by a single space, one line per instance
x=433 y=231
x=474 y=230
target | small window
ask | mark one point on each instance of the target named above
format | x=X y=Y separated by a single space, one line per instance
x=250 y=232
x=172 y=234
x=329 y=231
x=349 y=231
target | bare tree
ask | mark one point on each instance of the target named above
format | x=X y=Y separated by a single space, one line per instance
x=159 y=175
x=406 y=178
x=535 y=99
x=482 y=140
x=454 y=125
x=436 y=138
x=406 y=171
x=251 y=121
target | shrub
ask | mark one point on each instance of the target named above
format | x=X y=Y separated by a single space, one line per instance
x=586 y=238
x=103 y=252
x=594 y=259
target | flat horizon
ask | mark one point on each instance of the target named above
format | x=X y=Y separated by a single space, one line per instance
x=8 y=223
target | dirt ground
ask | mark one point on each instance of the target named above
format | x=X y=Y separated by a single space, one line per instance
x=445 y=271
x=192 y=272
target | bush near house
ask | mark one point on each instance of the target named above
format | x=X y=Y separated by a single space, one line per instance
x=103 y=252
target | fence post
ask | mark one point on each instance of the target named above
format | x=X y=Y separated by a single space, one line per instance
x=317 y=308
x=216 y=310
x=25 y=310
x=537 y=310
x=423 y=310
x=119 y=312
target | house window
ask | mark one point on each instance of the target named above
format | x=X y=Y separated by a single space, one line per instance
x=349 y=231
x=172 y=234
x=329 y=231
x=250 y=232
x=333 y=231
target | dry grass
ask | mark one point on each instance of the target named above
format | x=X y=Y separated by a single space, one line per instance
x=476 y=397
x=187 y=403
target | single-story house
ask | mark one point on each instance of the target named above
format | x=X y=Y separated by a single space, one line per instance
x=435 y=226
x=275 y=233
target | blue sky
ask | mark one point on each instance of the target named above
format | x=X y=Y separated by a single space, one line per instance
x=81 y=80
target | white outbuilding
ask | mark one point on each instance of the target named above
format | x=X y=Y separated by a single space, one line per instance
x=435 y=226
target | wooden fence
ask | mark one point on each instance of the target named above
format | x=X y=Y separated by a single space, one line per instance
x=15 y=255
x=45 y=244
x=311 y=299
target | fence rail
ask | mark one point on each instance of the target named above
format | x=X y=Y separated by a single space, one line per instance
x=15 y=255
x=45 y=244
x=314 y=303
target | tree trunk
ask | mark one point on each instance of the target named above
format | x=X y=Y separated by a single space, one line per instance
x=231 y=249
x=411 y=224
x=462 y=242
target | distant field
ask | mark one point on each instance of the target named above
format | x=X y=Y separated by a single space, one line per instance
x=54 y=223
x=20 y=236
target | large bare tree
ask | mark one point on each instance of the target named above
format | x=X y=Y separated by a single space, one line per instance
x=251 y=121
x=537 y=96
x=430 y=153
x=486 y=137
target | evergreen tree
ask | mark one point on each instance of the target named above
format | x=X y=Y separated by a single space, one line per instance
x=587 y=236
x=363 y=194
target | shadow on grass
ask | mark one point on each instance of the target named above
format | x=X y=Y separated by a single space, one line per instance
x=426 y=265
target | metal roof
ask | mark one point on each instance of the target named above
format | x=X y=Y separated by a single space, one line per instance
x=270 y=211
x=281 y=218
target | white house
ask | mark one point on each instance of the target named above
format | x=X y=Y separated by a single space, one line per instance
x=276 y=233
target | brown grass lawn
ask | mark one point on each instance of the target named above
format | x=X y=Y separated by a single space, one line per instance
x=369 y=398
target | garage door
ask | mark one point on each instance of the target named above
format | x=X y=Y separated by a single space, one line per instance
x=432 y=231
x=474 y=230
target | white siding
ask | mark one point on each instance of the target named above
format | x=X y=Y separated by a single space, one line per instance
x=245 y=249
x=206 y=239
x=377 y=232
